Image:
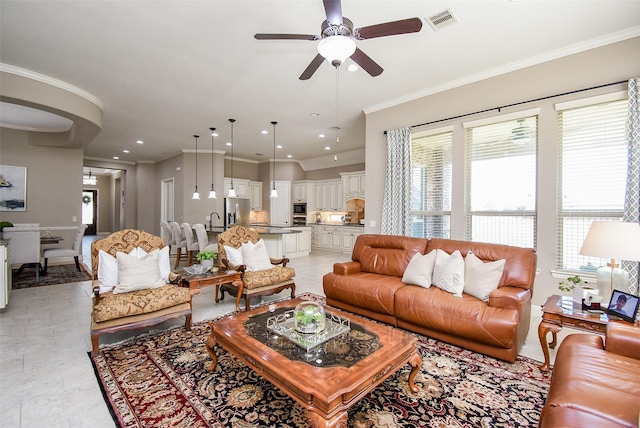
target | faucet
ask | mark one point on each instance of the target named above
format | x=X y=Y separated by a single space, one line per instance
x=211 y=219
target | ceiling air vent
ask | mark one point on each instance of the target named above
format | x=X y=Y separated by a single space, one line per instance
x=441 y=20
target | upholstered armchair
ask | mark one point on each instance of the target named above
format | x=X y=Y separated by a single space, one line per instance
x=240 y=248
x=130 y=294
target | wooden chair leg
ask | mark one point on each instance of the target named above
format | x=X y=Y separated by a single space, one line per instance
x=74 y=258
x=46 y=266
x=94 y=344
x=177 y=257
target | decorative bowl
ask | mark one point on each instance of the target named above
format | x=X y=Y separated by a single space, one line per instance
x=197 y=269
x=309 y=317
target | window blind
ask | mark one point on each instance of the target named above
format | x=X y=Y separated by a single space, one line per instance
x=592 y=171
x=501 y=163
x=431 y=185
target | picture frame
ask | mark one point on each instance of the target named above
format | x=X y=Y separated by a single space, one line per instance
x=13 y=188
x=623 y=305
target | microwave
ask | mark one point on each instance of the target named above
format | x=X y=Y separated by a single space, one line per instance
x=300 y=208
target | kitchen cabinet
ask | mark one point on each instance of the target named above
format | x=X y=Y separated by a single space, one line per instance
x=255 y=195
x=305 y=191
x=241 y=185
x=290 y=245
x=330 y=195
x=280 y=207
x=349 y=236
x=353 y=184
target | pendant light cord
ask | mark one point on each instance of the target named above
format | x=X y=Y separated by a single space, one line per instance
x=232 y=120
x=196 y=137
x=274 y=123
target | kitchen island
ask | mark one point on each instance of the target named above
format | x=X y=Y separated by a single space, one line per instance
x=289 y=242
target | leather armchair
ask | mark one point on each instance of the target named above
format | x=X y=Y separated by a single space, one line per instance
x=596 y=382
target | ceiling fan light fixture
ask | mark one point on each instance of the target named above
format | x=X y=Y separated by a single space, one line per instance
x=336 y=49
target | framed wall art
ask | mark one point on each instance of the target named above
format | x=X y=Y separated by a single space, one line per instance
x=13 y=188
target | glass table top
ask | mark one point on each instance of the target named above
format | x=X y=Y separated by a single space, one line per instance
x=343 y=350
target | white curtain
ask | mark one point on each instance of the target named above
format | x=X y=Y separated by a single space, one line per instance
x=396 y=207
x=632 y=197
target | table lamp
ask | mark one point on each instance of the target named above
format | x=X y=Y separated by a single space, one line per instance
x=614 y=240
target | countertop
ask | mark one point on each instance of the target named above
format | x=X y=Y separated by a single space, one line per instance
x=262 y=230
x=336 y=224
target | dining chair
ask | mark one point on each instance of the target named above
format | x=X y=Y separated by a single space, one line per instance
x=180 y=242
x=75 y=251
x=203 y=239
x=166 y=234
x=191 y=244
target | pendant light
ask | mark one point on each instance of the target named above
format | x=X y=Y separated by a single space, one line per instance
x=212 y=192
x=196 y=195
x=232 y=191
x=274 y=192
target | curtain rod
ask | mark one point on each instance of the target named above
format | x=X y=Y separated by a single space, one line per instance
x=517 y=104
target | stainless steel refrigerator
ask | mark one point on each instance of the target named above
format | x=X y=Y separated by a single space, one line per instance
x=236 y=211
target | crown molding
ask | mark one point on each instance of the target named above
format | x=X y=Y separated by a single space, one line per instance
x=28 y=74
x=514 y=66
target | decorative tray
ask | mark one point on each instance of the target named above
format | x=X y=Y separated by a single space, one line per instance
x=284 y=325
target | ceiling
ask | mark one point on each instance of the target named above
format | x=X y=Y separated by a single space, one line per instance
x=164 y=71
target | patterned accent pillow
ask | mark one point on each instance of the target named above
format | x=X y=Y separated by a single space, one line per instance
x=271 y=276
x=448 y=272
x=113 y=306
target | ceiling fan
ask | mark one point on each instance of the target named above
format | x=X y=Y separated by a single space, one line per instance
x=337 y=39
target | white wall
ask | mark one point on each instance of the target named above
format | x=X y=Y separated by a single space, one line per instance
x=612 y=63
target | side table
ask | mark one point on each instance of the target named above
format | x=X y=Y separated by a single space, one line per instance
x=212 y=278
x=562 y=311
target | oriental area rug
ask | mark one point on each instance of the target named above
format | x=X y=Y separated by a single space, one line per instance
x=57 y=274
x=159 y=380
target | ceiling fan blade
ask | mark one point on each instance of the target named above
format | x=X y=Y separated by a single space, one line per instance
x=333 y=9
x=286 y=37
x=312 y=67
x=364 y=61
x=404 y=26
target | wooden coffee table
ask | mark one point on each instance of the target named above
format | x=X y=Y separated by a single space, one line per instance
x=326 y=392
x=212 y=278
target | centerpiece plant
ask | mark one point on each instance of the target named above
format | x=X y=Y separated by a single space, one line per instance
x=309 y=317
x=207 y=257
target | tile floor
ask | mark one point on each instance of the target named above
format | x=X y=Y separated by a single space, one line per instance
x=46 y=377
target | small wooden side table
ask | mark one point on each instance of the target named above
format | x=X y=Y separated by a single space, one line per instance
x=562 y=311
x=212 y=278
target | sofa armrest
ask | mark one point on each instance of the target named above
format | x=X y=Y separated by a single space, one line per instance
x=623 y=339
x=346 y=268
x=509 y=297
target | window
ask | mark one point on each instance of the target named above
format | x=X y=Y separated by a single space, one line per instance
x=592 y=171
x=500 y=179
x=431 y=184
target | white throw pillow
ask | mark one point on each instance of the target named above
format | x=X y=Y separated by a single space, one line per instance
x=420 y=269
x=481 y=278
x=107 y=272
x=256 y=257
x=448 y=272
x=138 y=274
x=164 y=261
x=234 y=255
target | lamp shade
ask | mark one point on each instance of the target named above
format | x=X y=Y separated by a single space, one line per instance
x=612 y=240
x=336 y=48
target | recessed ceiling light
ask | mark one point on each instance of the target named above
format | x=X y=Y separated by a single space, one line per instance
x=229 y=143
x=315 y=114
x=125 y=151
x=116 y=157
x=289 y=156
x=321 y=135
x=279 y=146
x=140 y=142
x=327 y=148
x=264 y=131
x=214 y=134
x=353 y=67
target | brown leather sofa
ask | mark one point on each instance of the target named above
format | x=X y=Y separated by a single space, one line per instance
x=371 y=285
x=596 y=383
